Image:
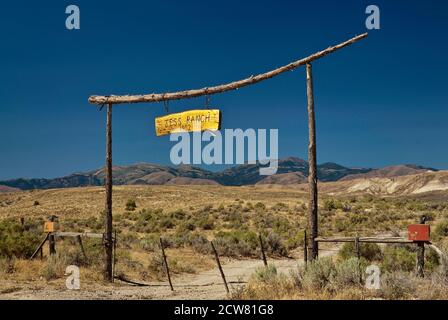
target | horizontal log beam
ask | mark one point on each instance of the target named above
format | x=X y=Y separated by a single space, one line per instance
x=77 y=234
x=158 y=97
x=367 y=239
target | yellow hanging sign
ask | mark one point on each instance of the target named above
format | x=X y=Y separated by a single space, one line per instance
x=189 y=121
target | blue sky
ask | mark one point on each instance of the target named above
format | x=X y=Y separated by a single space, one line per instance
x=381 y=101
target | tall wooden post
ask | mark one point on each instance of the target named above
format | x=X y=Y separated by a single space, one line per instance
x=420 y=259
x=305 y=248
x=108 y=275
x=312 y=167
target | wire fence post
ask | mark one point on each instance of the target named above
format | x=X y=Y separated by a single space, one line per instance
x=263 y=255
x=166 y=264
x=219 y=267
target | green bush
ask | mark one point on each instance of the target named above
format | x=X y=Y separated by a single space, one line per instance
x=398 y=258
x=265 y=274
x=441 y=229
x=347 y=273
x=131 y=205
x=55 y=266
x=317 y=274
x=236 y=243
x=17 y=241
x=368 y=251
x=396 y=285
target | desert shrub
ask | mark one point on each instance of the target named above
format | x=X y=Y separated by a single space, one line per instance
x=206 y=223
x=55 y=266
x=131 y=205
x=91 y=223
x=265 y=274
x=281 y=225
x=431 y=259
x=265 y=284
x=341 y=224
x=199 y=243
x=179 y=266
x=347 y=273
x=296 y=240
x=150 y=242
x=441 y=229
x=156 y=266
x=279 y=206
x=396 y=285
x=17 y=241
x=166 y=223
x=368 y=251
x=128 y=240
x=274 y=245
x=178 y=214
x=259 y=206
x=330 y=204
x=398 y=258
x=148 y=221
x=236 y=243
x=36 y=203
x=186 y=226
x=7 y=265
x=317 y=274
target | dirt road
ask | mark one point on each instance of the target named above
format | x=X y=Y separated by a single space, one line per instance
x=205 y=285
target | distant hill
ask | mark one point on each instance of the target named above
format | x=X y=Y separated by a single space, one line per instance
x=413 y=184
x=291 y=170
x=7 y=189
x=391 y=171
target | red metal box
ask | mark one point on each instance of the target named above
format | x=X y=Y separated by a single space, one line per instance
x=418 y=232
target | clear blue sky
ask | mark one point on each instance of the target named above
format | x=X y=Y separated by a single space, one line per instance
x=381 y=101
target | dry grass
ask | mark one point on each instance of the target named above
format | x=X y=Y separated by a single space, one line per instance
x=188 y=216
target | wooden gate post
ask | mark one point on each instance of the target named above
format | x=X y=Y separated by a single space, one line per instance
x=51 y=244
x=312 y=166
x=420 y=259
x=305 y=248
x=108 y=246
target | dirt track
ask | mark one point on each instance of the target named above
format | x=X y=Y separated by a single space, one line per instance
x=205 y=285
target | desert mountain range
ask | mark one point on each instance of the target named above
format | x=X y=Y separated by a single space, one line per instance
x=291 y=171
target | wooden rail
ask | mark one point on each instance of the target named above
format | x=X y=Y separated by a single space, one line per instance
x=159 y=97
x=60 y=234
x=365 y=239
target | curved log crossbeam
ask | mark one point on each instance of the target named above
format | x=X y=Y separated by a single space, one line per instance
x=158 y=97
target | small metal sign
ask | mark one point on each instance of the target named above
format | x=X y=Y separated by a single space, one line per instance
x=188 y=121
x=49 y=226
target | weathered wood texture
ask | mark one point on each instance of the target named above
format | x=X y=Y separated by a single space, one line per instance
x=39 y=248
x=108 y=245
x=366 y=239
x=157 y=97
x=263 y=255
x=78 y=238
x=420 y=259
x=60 y=234
x=312 y=167
x=220 y=267
x=305 y=248
x=167 y=269
x=51 y=244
